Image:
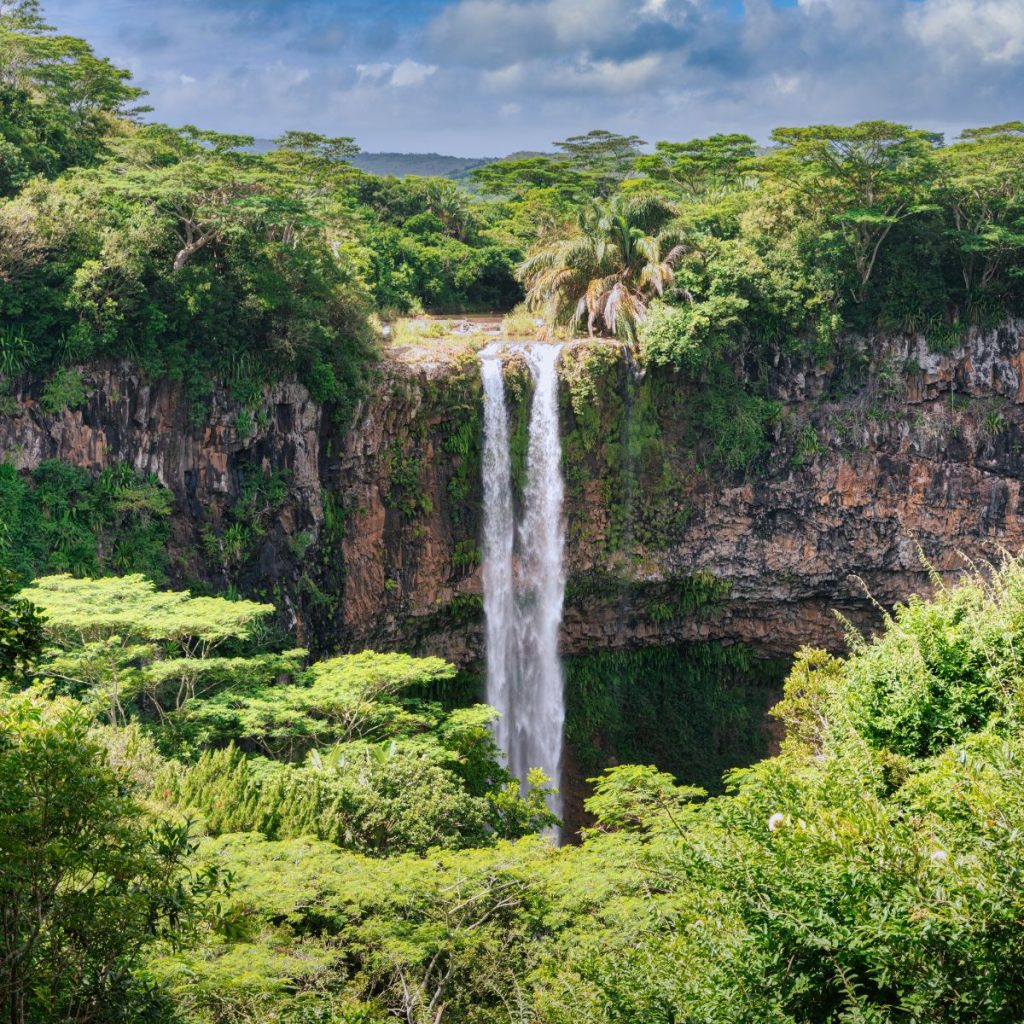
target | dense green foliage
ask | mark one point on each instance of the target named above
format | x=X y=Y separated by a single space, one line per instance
x=196 y=257
x=874 y=225
x=89 y=882
x=59 y=518
x=200 y=826
x=869 y=872
x=369 y=839
x=852 y=878
x=58 y=100
x=349 y=748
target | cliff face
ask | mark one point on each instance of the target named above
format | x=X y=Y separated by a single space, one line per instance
x=370 y=539
x=204 y=460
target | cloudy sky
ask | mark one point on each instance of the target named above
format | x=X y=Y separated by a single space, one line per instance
x=486 y=77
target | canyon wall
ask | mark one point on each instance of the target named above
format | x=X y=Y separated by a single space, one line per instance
x=861 y=465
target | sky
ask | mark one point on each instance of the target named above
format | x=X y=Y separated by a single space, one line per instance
x=489 y=77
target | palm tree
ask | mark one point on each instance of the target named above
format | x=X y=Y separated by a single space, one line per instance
x=622 y=254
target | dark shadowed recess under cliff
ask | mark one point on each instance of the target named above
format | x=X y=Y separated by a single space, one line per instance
x=709 y=536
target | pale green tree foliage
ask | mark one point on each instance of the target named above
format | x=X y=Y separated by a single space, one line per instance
x=419 y=940
x=382 y=770
x=700 y=167
x=981 y=183
x=335 y=701
x=861 y=181
x=120 y=640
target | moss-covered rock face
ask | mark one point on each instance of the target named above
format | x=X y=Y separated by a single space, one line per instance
x=740 y=510
x=733 y=508
x=695 y=710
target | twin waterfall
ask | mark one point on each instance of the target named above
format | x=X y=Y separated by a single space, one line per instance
x=523 y=573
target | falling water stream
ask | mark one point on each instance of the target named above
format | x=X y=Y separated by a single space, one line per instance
x=524 y=576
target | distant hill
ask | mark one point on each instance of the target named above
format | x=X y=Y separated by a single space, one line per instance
x=426 y=165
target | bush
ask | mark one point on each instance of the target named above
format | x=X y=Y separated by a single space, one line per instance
x=64 y=390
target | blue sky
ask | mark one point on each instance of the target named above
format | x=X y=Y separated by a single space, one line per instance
x=486 y=77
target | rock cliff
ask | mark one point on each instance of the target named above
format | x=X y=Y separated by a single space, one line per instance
x=861 y=466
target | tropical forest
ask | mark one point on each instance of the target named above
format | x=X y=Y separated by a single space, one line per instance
x=580 y=587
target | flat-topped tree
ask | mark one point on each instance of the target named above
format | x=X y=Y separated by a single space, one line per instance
x=202 y=181
x=119 y=641
x=981 y=185
x=699 y=166
x=859 y=181
x=131 y=606
x=58 y=100
x=348 y=698
x=315 y=170
x=321 y=147
x=604 y=157
x=518 y=179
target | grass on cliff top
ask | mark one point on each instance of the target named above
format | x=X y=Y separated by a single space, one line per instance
x=426 y=340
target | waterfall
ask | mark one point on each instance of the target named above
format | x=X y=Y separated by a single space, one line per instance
x=523 y=608
x=499 y=526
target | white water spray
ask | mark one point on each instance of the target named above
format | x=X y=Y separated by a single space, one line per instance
x=499 y=532
x=524 y=609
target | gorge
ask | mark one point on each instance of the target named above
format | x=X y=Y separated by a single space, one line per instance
x=584 y=589
x=371 y=535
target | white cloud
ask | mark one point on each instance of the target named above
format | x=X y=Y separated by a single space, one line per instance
x=607 y=76
x=992 y=30
x=411 y=72
x=505 y=79
x=406 y=73
x=374 y=72
x=489 y=32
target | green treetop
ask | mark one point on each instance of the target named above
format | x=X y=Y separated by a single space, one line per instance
x=603 y=157
x=57 y=98
x=119 y=639
x=860 y=180
x=981 y=184
x=700 y=166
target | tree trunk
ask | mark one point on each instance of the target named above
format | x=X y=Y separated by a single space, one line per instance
x=190 y=250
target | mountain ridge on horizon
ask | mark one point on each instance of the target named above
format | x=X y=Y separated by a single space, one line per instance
x=427 y=165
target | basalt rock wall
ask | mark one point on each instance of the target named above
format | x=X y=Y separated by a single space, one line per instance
x=860 y=466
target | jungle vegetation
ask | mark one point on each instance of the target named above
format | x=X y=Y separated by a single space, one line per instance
x=197 y=826
x=197 y=257
x=201 y=824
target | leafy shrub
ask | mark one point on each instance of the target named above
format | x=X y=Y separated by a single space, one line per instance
x=59 y=518
x=64 y=390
